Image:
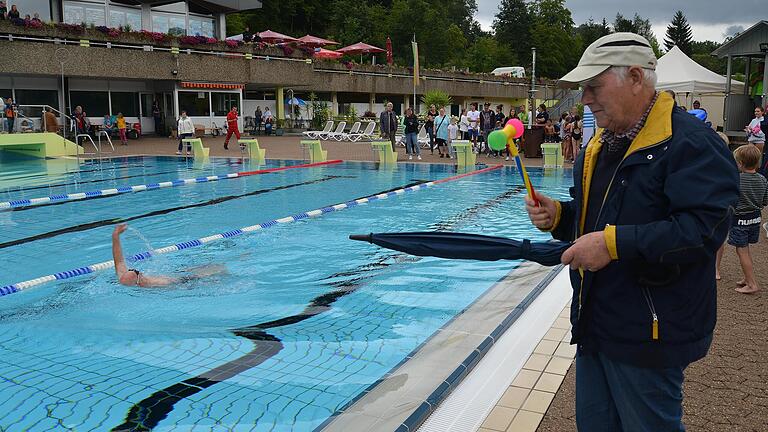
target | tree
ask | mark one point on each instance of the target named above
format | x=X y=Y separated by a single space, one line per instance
x=512 y=28
x=553 y=37
x=592 y=31
x=679 y=34
x=486 y=54
x=639 y=26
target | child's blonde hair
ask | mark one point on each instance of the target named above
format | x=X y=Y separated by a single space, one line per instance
x=453 y=120
x=747 y=156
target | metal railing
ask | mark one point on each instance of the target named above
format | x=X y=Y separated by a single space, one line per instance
x=109 y=140
x=239 y=54
x=43 y=121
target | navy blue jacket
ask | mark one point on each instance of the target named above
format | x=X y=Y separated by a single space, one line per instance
x=664 y=215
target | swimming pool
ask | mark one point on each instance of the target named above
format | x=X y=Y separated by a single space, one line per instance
x=302 y=322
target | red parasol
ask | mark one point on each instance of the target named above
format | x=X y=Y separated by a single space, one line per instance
x=315 y=42
x=322 y=53
x=360 y=48
x=389 y=51
x=274 y=37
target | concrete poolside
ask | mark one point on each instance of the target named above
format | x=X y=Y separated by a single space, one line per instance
x=283 y=147
x=726 y=391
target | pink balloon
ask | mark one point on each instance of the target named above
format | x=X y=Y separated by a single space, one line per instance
x=518 y=125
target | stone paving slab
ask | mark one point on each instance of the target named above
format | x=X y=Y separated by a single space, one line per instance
x=727 y=390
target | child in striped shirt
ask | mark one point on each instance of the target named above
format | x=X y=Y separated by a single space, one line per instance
x=745 y=226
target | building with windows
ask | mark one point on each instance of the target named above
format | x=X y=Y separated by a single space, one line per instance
x=64 y=66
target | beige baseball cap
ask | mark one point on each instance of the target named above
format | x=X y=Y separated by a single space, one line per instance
x=617 y=49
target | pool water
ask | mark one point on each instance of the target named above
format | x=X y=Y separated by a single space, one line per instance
x=302 y=321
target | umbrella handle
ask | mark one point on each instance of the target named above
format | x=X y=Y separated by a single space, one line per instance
x=362 y=237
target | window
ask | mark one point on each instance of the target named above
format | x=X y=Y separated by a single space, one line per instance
x=223 y=102
x=37 y=97
x=124 y=17
x=126 y=103
x=88 y=13
x=32 y=7
x=166 y=23
x=194 y=103
x=201 y=26
x=95 y=104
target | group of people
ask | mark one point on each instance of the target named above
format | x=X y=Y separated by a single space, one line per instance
x=441 y=128
x=14 y=14
x=186 y=129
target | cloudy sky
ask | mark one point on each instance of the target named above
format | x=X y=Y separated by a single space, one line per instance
x=709 y=19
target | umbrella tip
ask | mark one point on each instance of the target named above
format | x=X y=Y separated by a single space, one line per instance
x=361 y=237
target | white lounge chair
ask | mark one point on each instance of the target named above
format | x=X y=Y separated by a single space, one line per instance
x=353 y=131
x=316 y=134
x=422 y=139
x=339 y=131
x=366 y=135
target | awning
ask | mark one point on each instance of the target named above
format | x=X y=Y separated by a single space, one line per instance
x=215 y=86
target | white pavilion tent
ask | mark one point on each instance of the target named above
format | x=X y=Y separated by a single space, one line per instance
x=681 y=74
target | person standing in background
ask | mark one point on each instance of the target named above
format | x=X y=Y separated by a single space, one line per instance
x=157 y=116
x=186 y=130
x=411 y=134
x=429 y=126
x=464 y=124
x=10 y=111
x=232 y=128
x=442 y=122
x=257 y=119
x=388 y=124
x=51 y=123
x=122 y=128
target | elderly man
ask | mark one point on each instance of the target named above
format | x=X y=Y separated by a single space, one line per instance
x=652 y=197
x=388 y=120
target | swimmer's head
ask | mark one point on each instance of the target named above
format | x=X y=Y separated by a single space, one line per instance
x=130 y=278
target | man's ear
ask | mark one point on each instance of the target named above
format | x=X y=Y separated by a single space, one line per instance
x=635 y=77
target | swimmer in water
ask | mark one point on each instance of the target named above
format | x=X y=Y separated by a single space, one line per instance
x=133 y=277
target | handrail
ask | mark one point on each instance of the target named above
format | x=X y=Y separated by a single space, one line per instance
x=44 y=121
x=109 y=140
x=145 y=47
x=239 y=54
x=77 y=140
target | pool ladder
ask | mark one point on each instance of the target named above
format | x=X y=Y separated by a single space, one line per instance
x=96 y=146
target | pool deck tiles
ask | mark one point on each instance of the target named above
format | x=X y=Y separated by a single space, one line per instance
x=524 y=403
x=414 y=387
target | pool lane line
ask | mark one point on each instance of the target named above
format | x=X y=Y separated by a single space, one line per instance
x=105 y=222
x=26 y=202
x=19 y=286
x=28 y=188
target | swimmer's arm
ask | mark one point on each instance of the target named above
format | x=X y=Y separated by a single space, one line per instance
x=117 y=250
x=148 y=281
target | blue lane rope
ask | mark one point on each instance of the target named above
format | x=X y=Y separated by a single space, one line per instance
x=19 y=286
x=5 y=205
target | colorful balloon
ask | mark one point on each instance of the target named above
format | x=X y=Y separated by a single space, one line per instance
x=518 y=125
x=497 y=140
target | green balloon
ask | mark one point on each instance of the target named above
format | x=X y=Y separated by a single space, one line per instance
x=497 y=140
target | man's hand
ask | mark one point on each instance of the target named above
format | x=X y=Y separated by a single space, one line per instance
x=119 y=229
x=589 y=252
x=543 y=215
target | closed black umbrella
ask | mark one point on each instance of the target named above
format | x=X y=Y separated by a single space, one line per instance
x=468 y=246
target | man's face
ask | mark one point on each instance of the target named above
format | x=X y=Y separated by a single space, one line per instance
x=758 y=112
x=607 y=96
x=696 y=105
